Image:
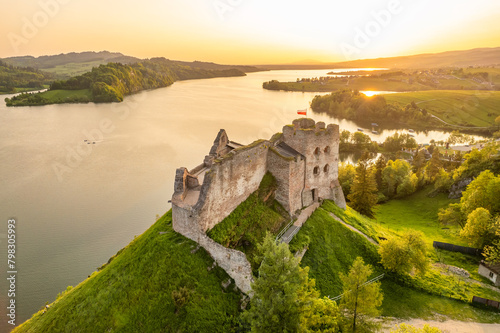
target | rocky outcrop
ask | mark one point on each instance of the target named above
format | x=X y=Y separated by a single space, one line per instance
x=457 y=188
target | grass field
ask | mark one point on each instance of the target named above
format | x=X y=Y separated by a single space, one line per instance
x=54 y=95
x=133 y=293
x=73 y=69
x=457 y=107
x=419 y=212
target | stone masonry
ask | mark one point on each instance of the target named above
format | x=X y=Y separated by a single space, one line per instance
x=303 y=159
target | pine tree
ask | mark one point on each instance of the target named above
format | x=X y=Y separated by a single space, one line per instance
x=380 y=164
x=360 y=300
x=363 y=196
x=281 y=292
x=434 y=165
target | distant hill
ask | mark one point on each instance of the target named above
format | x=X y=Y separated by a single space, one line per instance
x=49 y=61
x=67 y=65
x=474 y=57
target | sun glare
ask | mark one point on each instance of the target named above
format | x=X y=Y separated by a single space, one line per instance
x=370 y=93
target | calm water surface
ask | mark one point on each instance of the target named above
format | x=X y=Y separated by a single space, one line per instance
x=77 y=204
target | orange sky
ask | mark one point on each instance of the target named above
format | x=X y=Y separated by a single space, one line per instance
x=248 y=31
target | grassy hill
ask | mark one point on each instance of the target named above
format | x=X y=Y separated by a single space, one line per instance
x=458 y=107
x=461 y=58
x=133 y=292
x=333 y=248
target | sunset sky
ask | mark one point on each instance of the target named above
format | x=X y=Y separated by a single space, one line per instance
x=248 y=31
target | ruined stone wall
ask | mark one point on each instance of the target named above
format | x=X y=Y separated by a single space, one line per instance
x=230 y=181
x=297 y=170
x=234 y=262
x=280 y=169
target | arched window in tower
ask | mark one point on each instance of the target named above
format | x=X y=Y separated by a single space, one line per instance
x=316 y=170
x=327 y=150
x=326 y=168
x=316 y=151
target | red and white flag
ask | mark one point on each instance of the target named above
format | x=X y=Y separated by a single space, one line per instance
x=303 y=112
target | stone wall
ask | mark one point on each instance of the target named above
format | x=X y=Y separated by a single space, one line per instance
x=230 y=181
x=234 y=262
x=280 y=169
x=319 y=144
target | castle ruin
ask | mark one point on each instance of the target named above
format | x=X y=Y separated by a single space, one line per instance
x=303 y=159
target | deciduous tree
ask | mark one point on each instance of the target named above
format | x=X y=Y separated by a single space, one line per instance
x=479 y=229
x=402 y=255
x=361 y=300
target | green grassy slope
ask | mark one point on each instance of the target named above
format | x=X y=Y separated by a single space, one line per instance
x=133 y=292
x=68 y=70
x=419 y=212
x=247 y=225
x=458 y=107
x=333 y=248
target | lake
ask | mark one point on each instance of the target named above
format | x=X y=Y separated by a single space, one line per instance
x=77 y=204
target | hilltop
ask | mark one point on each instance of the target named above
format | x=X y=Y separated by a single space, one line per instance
x=461 y=58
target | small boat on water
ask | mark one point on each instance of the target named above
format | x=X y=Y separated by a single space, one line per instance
x=411 y=131
x=374 y=124
x=360 y=130
x=374 y=132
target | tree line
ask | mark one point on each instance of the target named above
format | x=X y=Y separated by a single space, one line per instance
x=12 y=78
x=354 y=105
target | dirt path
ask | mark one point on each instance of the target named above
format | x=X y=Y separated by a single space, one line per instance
x=448 y=326
x=352 y=228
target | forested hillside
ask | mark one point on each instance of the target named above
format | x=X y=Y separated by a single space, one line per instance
x=111 y=82
x=13 y=79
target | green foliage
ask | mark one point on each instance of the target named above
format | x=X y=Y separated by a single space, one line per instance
x=247 y=225
x=360 y=300
x=380 y=165
x=347 y=173
x=363 y=192
x=399 y=178
x=133 y=293
x=484 y=191
x=478 y=229
x=443 y=181
x=356 y=142
x=323 y=315
x=492 y=252
x=356 y=106
x=477 y=161
x=434 y=166
x=402 y=255
x=405 y=328
x=281 y=292
x=14 y=79
x=452 y=215
x=397 y=141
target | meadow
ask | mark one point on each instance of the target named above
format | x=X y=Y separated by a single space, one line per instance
x=457 y=107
